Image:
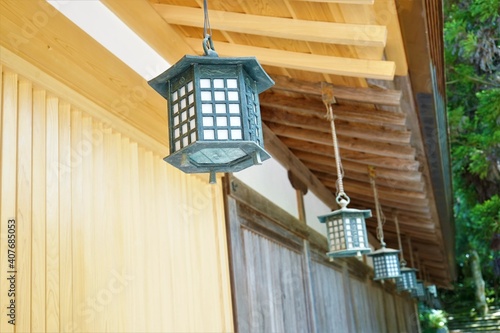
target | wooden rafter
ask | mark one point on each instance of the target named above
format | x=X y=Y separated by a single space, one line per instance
x=373 y=95
x=374 y=69
x=344 y=128
x=347 y=143
x=351 y=155
x=311 y=31
x=350 y=113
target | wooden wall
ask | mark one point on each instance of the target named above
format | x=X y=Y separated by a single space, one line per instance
x=282 y=281
x=108 y=237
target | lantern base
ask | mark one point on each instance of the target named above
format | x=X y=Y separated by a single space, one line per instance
x=348 y=253
x=211 y=157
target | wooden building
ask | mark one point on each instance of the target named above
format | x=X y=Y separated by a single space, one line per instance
x=110 y=238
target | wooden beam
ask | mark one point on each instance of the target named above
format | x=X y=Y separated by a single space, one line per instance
x=344 y=128
x=317 y=109
x=282 y=154
x=157 y=33
x=310 y=31
x=373 y=95
x=327 y=162
x=71 y=57
x=347 y=143
x=351 y=155
x=374 y=69
x=324 y=171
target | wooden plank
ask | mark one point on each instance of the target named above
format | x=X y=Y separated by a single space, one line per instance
x=65 y=221
x=326 y=164
x=38 y=247
x=24 y=209
x=351 y=155
x=311 y=31
x=52 y=292
x=374 y=69
x=374 y=95
x=76 y=99
x=387 y=14
x=8 y=207
x=328 y=171
x=343 y=128
x=282 y=154
x=69 y=55
x=349 y=113
x=156 y=33
x=347 y=143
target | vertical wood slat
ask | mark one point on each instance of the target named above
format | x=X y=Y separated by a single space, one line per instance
x=65 y=214
x=38 y=257
x=52 y=216
x=24 y=182
x=7 y=189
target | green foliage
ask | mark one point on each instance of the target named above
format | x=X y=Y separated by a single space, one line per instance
x=431 y=320
x=472 y=56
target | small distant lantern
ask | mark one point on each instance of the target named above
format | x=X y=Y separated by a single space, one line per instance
x=385 y=261
x=419 y=291
x=432 y=290
x=346 y=231
x=408 y=279
x=213 y=111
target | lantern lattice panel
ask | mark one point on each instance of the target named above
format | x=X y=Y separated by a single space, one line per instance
x=348 y=235
x=388 y=266
x=346 y=231
x=408 y=279
x=183 y=116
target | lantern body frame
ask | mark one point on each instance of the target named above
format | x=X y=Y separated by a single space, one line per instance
x=419 y=291
x=385 y=264
x=408 y=279
x=214 y=113
x=346 y=231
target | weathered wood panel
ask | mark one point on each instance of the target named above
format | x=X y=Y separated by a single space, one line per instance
x=109 y=238
x=282 y=281
x=330 y=299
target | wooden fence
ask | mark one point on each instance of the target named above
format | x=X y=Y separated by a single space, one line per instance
x=283 y=282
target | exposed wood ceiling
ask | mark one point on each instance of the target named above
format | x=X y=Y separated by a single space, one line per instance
x=373 y=57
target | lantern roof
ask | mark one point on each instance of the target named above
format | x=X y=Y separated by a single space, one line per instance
x=366 y=213
x=250 y=64
x=383 y=251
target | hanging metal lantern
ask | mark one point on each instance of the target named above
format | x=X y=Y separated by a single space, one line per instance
x=408 y=279
x=346 y=231
x=385 y=261
x=419 y=291
x=213 y=111
x=432 y=290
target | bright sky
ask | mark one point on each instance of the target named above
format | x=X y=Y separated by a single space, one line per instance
x=106 y=28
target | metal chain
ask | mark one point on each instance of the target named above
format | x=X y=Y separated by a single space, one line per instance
x=378 y=208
